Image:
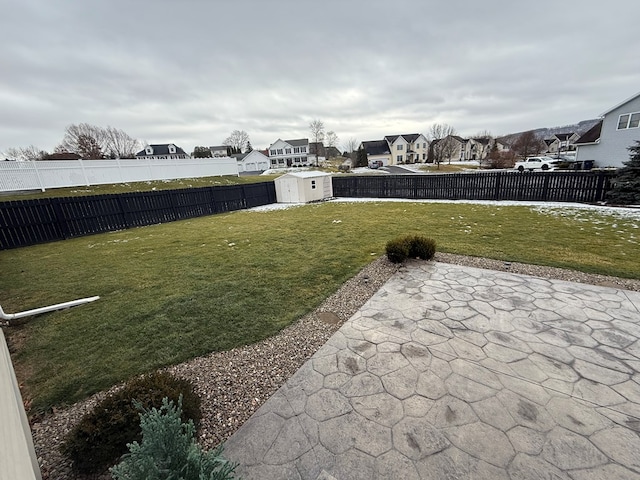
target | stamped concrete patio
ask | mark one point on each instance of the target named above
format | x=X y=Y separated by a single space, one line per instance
x=452 y=372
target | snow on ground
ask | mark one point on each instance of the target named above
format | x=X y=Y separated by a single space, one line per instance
x=548 y=208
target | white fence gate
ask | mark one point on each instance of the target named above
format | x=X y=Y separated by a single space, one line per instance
x=40 y=175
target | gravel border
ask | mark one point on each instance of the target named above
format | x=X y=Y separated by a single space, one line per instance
x=235 y=383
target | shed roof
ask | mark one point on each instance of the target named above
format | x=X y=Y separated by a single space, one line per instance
x=305 y=174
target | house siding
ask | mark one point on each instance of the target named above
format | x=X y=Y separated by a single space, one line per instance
x=611 y=151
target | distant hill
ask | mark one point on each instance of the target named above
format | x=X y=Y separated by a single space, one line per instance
x=542 y=133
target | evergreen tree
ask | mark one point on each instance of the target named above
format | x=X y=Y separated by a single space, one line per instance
x=249 y=148
x=361 y=158
x=626 y=186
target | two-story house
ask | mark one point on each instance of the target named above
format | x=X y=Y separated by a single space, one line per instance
x=162 y=151
x=607 y=142
x=290 y=153
x=397 y=149
x=408 y=148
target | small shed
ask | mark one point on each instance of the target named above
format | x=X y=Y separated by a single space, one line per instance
x=303 y=187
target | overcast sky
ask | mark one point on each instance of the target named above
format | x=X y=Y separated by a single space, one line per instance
x=190 y=71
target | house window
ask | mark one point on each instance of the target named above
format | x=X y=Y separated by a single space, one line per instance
x=629 y=120
x=279 y=151
x=313 y=184
x=272 y=152
x=287 y=151
x=273 y=161
x=399 y=147
x=296 y=149
x=424 y=145
x=303 y=149
x=399 y=158
x=424 y=156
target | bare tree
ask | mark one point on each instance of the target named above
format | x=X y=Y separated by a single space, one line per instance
x=441 y=144
x=83 y=139
x=118 y=144
x=24 y=153
x=317 y=134
x=237 y=140
x=527 y=144
x=350 y=145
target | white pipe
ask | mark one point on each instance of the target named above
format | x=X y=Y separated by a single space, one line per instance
x=50 y=308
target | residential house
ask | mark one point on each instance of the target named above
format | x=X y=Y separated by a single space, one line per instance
x=219 y=151
x=253 y=161
x=408 y=148
x=560 y=142
x=290 y=153
x=607 y=142
x=317 y=148
x=162 y=151
x=377 y=150
x=397 y=149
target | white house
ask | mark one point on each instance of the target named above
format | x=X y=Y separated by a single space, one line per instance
x=303 y=186
x=396 y=149
x=606 y=143
x=162 y=151
x=219 y=151
x=290 y=153
x=253 y=161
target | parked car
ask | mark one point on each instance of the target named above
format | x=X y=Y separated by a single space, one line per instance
x=537 y=163
x=376 y=164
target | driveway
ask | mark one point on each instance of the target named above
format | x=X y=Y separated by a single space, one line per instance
x=453 y=372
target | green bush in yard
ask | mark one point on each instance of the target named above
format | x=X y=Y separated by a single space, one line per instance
x=169 y=451
x=410 y=246
x=398 y=250
x=422 y=247
x=101 y=437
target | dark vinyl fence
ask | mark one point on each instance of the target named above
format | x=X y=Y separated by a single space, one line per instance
x=27 y=222
x=585 y=187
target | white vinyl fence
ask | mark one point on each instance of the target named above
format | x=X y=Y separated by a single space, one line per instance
x=17 y=455
x=40 y=175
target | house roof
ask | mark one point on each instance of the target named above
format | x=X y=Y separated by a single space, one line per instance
x=564 y=136
x=590 y=136
x=620 y=104
x=376 y=147
x=458 y=138
x=550 y=141
x=299 y=142
x=409 y=137
x=483 y=140
x=161 y=149
x=218 y=147
x=239 y=156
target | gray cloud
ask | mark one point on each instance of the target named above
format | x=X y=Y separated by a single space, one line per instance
x=192 y=71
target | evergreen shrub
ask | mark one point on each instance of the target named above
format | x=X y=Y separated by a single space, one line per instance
x=398 y=250
x=168 y=450
x=410 y=246
x=422 y=247
x=102 y=435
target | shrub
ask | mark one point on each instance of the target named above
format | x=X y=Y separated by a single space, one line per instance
x=410 y=246
x=168 y=450
x=422 y=247
x=398 y=250
x=101 y=437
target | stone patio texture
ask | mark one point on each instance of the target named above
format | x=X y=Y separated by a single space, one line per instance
x=453 y=372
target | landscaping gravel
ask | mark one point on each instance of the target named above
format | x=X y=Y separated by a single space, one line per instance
x=233 y=384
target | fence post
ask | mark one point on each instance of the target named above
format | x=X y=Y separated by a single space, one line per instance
x=84 y=174
x=498 y=186
x=545 y=188
x=34 y=163
x=600 y=188
x=60 y=218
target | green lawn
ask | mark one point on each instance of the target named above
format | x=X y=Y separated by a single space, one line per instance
x=179 y=290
